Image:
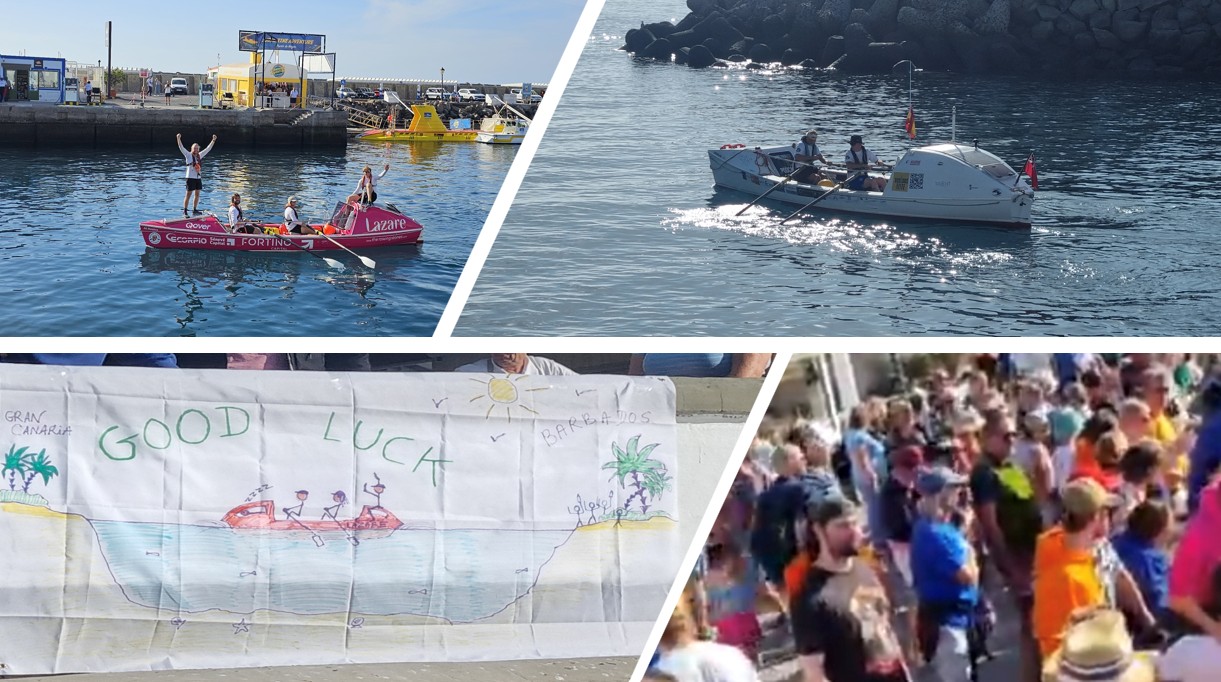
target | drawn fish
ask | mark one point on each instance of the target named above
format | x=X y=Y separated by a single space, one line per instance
x=177 y=623
x=152 y=554
x=422 y=591
x=522 y=570
x=243 y=574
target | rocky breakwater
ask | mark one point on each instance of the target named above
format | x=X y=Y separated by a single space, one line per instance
x=1162 y=37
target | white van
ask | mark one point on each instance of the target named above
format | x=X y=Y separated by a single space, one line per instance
x=434 y=93
x=178 y=86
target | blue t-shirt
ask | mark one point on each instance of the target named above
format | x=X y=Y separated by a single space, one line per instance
x=938 y=552
x=853 y=440
x=688 y=364
x=1149 y=566
x=1205 y=458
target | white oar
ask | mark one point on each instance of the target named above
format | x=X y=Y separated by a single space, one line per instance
x=369 y=262
x=329 y=261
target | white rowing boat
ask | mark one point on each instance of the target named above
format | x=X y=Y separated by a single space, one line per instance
x=950 y=182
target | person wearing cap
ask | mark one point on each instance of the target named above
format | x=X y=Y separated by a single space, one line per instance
x=292 y=222
x=860 y=159
x=1097 y=648
x=841 y=615
x=946 y=575
x=897 y=503
x=1065 y=423
x=1076 y=567
x=806 y=152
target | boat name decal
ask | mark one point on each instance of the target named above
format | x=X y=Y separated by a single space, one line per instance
x=898 y=182
x=197 y=226
x=387 y=225
x=175 y=239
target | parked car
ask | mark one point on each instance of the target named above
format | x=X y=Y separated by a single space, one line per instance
x=365 y=93
x=470 y=95
x=178 y=86
x=344 y=92
x=535 y=97
x=434 y=94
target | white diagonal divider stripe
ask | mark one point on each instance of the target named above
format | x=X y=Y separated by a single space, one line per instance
x=508 y=191
x=762 y=400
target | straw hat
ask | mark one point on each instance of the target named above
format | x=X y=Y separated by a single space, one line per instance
x=1098 y=649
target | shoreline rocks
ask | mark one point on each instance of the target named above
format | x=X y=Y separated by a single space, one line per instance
x=1080 y=37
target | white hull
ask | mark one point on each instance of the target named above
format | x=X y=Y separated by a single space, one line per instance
x=500 y=138
x=956 y=191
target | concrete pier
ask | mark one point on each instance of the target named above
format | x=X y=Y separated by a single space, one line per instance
x=126 y=125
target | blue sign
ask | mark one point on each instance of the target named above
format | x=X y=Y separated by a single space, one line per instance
x=257 y=41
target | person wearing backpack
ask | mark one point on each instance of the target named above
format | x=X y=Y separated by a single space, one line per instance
x=1009 y=517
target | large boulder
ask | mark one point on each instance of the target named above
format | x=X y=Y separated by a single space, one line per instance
x=773 y=29
x=701 y=7
x=659 y=49
x=1100 y=20
x=833 y=50
x=1068 y=25
x=1107 y=40
x=1194 y=38
x=1082 y=9
x=856 y=38
x=660 y=29
x=700 y=57
x=790 y=57
x=834 y=14
x=1084 y=43
x=874 y=58
x=636 y=39
x=1042 y=31
x=882 y=16
x=680 y=57
x=1048 y=12
x=761 y=53
x=994 y=21
x=1129 y=31
x=915 y=21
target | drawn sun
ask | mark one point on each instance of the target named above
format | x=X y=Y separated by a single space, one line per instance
x=504 y=392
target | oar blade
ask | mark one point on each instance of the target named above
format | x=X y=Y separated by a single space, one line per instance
x=369 y=262
x=335 y=264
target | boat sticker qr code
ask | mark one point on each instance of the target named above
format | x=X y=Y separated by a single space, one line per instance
x=917 y=181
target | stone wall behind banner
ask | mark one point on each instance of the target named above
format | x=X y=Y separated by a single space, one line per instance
x=1154 y=37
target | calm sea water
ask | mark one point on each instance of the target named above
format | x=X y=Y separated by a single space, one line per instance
x=617 y=229
x=72 y=261
x=310 y=573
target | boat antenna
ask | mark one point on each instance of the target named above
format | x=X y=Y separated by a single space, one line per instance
x=954 y=123
x=910 y=67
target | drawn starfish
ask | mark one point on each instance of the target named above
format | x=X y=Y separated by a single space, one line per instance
x=241 y=627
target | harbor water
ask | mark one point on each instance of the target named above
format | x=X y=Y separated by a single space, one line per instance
x=72 y=261
x=617 y=229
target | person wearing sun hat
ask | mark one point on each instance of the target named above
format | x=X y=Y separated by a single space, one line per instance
x=1097 y=648
x=1076 y=567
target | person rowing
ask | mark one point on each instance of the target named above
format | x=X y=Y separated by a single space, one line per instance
x=237 y=222
x=292 y=222
x=806 y=151
x=366 y=187
x=860 y=159
x=193 y=157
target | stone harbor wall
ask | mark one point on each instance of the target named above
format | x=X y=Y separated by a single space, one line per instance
x=1153 y=37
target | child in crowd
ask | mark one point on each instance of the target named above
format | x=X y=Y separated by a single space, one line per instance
x=732 y=587
x=1142 y=549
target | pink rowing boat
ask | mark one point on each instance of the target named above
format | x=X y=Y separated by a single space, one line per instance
x=262 y=515
x=352 y=226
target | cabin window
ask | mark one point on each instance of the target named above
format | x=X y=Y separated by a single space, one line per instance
x=997 y=170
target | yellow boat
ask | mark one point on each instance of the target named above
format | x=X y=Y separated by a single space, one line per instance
x=426 y=126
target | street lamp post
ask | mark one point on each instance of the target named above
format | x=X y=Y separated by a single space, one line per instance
x=443 y=82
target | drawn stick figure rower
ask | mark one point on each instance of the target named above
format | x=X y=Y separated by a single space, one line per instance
x=302 y=496
x=376 y=492
x=332 y=512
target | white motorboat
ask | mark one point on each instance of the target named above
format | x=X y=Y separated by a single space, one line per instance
x=507 y=126
x=943 y=182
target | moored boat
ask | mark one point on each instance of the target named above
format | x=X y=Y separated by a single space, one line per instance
x=944 y=182
x=353 y=226
x=425 y=126
x=507 y=126
x=262 y=515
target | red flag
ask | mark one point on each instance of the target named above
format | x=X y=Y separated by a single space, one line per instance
x=910 y=123
x=1030 y=171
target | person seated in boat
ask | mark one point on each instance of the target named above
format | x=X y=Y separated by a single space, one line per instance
x=302 y=496
x=237 y=223
x=332 y=512
x=806 y=151
x=860 y=159
x=366 y=187
x=292 y=222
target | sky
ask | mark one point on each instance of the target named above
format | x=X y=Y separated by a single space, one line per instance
x=480 y=41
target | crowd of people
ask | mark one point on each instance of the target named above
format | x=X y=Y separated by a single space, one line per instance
x=1074 y=494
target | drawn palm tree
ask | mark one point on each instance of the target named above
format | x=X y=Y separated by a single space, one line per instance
x=15 y=464
x=648 y=475
x=39 y=465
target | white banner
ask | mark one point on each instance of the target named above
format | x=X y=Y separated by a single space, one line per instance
x=318 y=63
x=154 y=518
